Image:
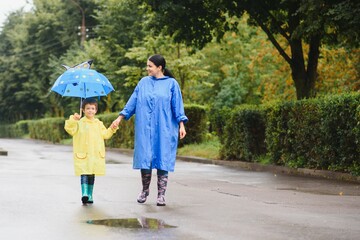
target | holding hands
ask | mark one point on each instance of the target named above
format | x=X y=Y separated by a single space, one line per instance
x=117 y=121
x=113 y=125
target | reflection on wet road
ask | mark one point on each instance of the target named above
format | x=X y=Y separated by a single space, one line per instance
x=149 y=223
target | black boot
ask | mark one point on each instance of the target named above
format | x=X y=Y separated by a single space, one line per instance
x=145 y=179
x=162 y=185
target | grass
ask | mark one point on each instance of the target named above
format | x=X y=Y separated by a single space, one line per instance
x=209 y=149
x=67 y=141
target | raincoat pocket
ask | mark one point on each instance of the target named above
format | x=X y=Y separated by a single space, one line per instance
x=102 y=154
x=80 y=155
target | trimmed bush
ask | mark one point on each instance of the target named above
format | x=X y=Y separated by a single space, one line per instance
x=196 y=127
x=318 y=133
x=340 y=120
x=7 y=131
x=292 y=131
x=16 y=130
x=217 y=118
x=22 y=128
x=244 y=134
x=48 y=129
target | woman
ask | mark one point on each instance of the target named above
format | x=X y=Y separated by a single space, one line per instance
x=160 y=117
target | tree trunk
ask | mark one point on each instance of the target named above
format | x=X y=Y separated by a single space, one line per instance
x=297 y=66
x=304 y=76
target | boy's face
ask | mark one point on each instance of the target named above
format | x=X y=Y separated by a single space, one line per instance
x=90 y=111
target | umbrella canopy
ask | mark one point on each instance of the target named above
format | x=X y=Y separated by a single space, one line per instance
x=83 y=83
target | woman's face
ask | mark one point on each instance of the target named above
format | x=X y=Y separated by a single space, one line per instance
x=153 y=70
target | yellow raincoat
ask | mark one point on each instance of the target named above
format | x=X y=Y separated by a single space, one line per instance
x=88 y=144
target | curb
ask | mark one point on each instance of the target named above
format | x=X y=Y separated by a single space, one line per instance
x=3 y=152
x=276 y=169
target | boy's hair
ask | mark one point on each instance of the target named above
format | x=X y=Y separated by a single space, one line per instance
x=91 y=101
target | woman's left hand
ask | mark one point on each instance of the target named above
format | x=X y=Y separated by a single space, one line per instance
x=182 y=132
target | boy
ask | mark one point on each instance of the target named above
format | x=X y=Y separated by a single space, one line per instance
x=88 y=146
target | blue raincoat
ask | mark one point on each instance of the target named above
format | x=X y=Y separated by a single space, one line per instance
x=158 y=106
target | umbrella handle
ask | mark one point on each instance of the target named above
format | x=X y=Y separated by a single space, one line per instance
x=80 y=107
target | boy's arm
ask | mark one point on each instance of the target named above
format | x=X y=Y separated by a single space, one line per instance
x=71 y=125
x=108 y=132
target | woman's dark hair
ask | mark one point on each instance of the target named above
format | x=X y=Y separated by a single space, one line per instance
x=159 y=60
x=91 y=101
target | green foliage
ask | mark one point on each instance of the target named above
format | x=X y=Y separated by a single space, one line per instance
x=22 y=128
x=291 y=132
x=7 y=131
x=294 y=22
x=244 y=134
x=320 y=133
x=48 y=129
x=218 y=118
x=16 y=130
x=357 y=128
x=240 y=68
x=317 y=134
x=339 y=123
x=234 y=78
x=199 y=20
x=196 y=127
x=29 y=40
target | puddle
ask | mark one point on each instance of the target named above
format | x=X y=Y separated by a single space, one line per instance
x=319 y=192
x=148 y=223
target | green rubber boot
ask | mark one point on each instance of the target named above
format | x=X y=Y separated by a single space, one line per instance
x=84 y=192
x=90 y=193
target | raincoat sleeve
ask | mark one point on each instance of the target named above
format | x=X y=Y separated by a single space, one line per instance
x=107 y=133
x=71 y=126
x=130 y=106
x=177 y=105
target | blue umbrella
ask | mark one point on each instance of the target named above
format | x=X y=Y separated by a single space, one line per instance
x=83 y=83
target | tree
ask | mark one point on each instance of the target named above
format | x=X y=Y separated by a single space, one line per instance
x=27 y=42
x=297 y=22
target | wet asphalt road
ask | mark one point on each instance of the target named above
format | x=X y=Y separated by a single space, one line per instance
x=40 y=199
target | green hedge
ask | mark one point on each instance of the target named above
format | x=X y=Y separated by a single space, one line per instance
x=291 y=133
x=17 y=130
x=218 y=118
x=7 y=131
x=321 y=133
x=340 y=119
x=244 y=134
x=196 y=127
x=318 y=133
x=48 y=129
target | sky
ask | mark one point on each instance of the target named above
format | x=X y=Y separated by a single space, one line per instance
x=7 y=6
